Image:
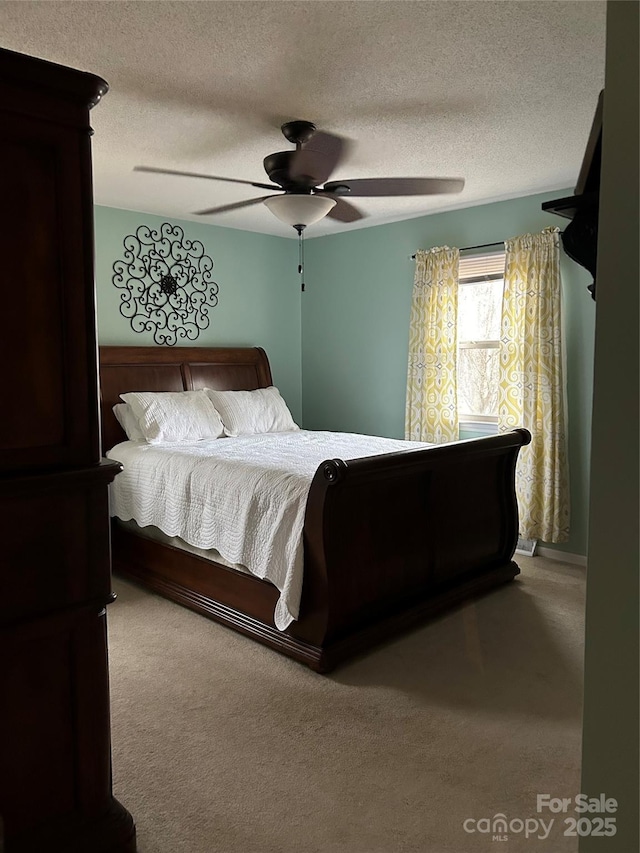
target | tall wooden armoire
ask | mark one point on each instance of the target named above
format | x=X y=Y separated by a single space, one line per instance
x=55 y=572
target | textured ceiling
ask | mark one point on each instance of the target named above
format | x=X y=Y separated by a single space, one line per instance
x=500 y=93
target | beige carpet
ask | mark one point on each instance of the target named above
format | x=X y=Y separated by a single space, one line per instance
x=223 y=746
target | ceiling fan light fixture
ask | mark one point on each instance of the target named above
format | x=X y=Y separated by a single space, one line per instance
x=299 y=209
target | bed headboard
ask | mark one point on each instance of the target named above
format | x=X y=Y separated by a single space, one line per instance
x=125 y=369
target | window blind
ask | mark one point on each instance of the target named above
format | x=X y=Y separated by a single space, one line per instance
x=482 y=267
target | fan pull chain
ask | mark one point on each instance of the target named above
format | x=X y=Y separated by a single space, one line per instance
x=300 y=230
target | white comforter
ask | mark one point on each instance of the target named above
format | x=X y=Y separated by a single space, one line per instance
x=244 y=496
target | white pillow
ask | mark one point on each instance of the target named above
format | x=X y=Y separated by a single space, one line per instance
x=128 y=421
x=251 y=412
x=174 y=417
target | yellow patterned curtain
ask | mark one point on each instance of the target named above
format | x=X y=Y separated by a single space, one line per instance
x=532 y=384
x=432 y=395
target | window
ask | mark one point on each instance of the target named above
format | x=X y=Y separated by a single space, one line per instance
x=481 y=280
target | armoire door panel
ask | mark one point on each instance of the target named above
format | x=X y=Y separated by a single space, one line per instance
x=48 y=418
x=36 y=721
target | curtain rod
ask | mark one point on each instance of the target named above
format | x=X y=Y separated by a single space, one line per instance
x=468 y=248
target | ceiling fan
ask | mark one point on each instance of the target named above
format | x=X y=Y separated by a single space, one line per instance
x=301 y=179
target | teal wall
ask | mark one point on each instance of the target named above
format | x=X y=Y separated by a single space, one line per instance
x=355 y=326
x=258 y=301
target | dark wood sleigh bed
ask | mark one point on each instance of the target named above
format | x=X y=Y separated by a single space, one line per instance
x=388 y=540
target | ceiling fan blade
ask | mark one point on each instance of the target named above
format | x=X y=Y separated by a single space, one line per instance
x=344 y=211
x=199 y=175
x=318 y=158
x=394 y=186
x=236 y=205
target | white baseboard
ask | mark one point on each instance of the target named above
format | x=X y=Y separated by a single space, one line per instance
x=564 y=556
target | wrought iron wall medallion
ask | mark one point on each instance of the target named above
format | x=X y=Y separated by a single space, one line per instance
x=166 y=282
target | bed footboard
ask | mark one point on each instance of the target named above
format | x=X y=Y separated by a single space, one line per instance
x=389 y=539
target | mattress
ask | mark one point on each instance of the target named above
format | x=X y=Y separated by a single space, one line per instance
x=245 y=497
